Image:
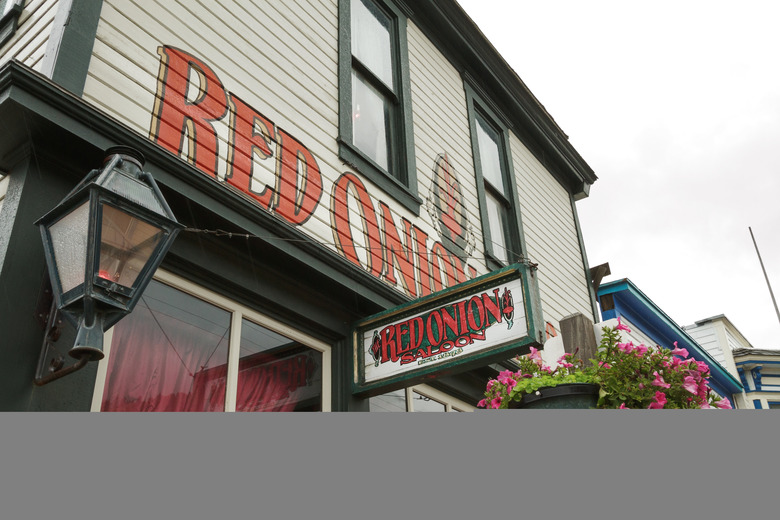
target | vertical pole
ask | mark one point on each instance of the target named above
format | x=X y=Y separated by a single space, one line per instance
x=765 y=276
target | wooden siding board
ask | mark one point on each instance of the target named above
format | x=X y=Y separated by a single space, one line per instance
x=441 y=125
x=551 y=236
x=228 y=65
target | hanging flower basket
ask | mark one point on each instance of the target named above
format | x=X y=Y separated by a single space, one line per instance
x=622 y=375
x=567 y=396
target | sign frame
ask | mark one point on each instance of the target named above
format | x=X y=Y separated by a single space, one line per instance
x=516 y=273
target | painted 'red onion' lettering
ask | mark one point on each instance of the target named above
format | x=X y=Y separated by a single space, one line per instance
x=191 y=101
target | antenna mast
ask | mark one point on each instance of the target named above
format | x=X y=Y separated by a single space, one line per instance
x=765 y=276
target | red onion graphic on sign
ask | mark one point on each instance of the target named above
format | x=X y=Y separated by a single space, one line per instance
x=375 y=349
x=507 y=307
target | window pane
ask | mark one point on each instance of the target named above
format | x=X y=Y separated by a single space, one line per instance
x=169 y=354
x=490 y=161
x=276 y=374
x=390 y=402
x=496 y=216
x=371 y=39
x=422 y=403
x=370 y=116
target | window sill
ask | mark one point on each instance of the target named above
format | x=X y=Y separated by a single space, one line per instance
x=404 y=195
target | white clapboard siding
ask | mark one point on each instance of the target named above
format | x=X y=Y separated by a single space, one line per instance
x=441 y=124
x=28 y=43
x=706 y=335
x=551 y=237
x=136 y=44
x=282 y=59
x=733 y=341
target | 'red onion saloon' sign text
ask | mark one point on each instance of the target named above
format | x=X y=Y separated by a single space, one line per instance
x=451 y=330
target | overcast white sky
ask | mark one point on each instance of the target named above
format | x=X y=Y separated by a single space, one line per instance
x=676 y=107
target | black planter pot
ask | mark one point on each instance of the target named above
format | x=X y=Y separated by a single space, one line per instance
x=568 y=396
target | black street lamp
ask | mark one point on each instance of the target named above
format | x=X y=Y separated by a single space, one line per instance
x=103 y=243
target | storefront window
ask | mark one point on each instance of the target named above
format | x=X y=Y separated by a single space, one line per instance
x=275 y=373
x=420 y=398
x=179 y=352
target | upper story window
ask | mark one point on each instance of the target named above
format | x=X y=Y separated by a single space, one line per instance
x=9 y=18
x=375 y=121
x=499 y=209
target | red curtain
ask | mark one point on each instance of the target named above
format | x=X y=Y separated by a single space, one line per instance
x=155 y=362
x=282 y=381
x=162 y=363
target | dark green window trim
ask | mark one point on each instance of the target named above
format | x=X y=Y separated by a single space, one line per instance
x=480 y=107
x=400 y=182
x=9 y=18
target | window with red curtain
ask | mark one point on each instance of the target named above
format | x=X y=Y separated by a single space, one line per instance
x=172 y=354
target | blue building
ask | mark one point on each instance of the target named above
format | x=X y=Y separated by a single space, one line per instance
x=652 y=326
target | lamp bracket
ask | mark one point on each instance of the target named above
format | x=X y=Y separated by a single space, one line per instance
x=51 y=363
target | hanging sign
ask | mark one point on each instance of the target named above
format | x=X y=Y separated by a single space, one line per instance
x=472 y=324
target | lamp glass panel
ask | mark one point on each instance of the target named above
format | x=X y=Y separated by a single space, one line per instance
x=69 y=243
x=126 y=245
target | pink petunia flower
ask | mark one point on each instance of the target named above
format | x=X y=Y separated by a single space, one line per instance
x=620 y=326
x=690 y=384
x=703 y=390
x=724 y=404
x=496 y=402
x=641 y=350
x=482 y=404
x=658 y=401
x=536 y=357
x=563 y=362
x=623 y=407
x=659 y=381
x=679 y=351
